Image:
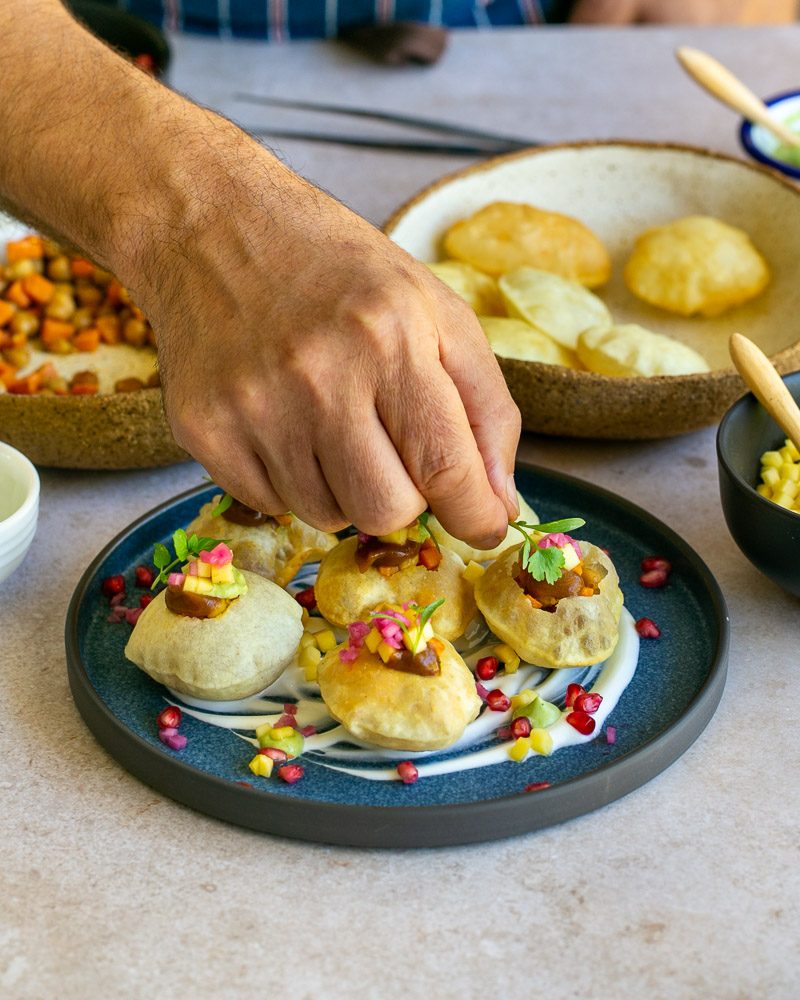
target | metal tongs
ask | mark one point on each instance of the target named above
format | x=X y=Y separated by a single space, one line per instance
x=475 y=141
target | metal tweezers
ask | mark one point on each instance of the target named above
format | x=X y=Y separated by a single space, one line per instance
x=484 y=143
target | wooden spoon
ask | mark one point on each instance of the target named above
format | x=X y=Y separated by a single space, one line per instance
x=723 y=85
x=767 y=385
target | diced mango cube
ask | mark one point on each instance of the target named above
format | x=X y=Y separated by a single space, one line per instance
x=787 y=488
x=204 y=569
x=222 y=574
x=790 y=471
x=507 y=657
x=784 y=501
x=791 y=448
x=399 y=537
x=773 y=458
x=525 y=697
x=307 y=639
x=385 y=651
x=541 y=742
x=771 y=476
x=519 y=748
x=764 y=491
x=326 y=640
x=204 y=586
x=473 y=571
x=281 y=733
x=263 y=730
x=315 y=624
x=373 y=640
x=309 y=656
x=310 y=673
x=261 y=765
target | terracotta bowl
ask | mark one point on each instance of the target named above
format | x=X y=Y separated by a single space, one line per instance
x=110 y=431
x=620 y=189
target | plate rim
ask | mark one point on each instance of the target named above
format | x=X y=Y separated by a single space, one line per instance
x=423 y=826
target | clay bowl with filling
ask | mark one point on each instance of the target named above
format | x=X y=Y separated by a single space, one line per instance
x=619 y=189
x=112 y=430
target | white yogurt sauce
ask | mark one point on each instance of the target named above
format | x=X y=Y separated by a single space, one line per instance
x=333 y=747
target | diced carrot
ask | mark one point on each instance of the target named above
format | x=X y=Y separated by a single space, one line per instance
x=55 y=329
x=388 y=570
x=587 y=591
x=109 y=328
x=27 y=386
x=7 y=310
x=16 y=293
x=283 y=519
x=430 y=556
x=534 y=602
x=437 y=646
x=87 y=340
x=38 y=288
x=83 y=389
x=114 y=293
x=82 y=268
x=25 y=249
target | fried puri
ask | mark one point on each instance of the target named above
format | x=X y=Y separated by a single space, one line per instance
x=630 y=349
x=506 y=235
x=402 y=711
x=233 y=656
x=466 y=552
x=581 y=630
x=478 y=290
x=696 y=265
x=514 y=338
x=272 y=550
x=344 y=594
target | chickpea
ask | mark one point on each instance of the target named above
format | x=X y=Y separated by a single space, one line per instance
x=83 y=317
x=17 y=356
x=61 y=346
x=61 y=306
x=135 y=332
x=24 y=322
x=87 y=293
x=128 y=385
x=102 y=277
x=58 y=269
x=22 y=268
x=51 y=248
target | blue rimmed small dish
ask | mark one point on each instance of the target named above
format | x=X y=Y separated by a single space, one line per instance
x=762 y=145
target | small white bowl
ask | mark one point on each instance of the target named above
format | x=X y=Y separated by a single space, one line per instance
x=19 y=508
x=761 y=144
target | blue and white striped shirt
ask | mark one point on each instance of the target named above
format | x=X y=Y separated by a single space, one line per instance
x=281 y=19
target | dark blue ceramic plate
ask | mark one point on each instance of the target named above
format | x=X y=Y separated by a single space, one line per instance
x=671 y=698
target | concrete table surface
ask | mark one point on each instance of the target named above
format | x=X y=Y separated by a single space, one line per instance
x=686 y=888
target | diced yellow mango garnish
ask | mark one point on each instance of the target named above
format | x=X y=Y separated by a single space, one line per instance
x=541 y=742
x=473 y=571
x=307 y=639
x=373 y=640
x=309 y=656
x=385 y=651
x=791 y=448
x=784 y=501
x=281 y=733
x=191 y=584
x=203 y=569
x=519 y=748
x=790 y=472
x=222 y=574
x=326 y=640
x=525 y=697
x=314 y=624
x=786 y=488
x=507 y=657
x=261 y=765
x=204 y=585
x=310 y=673
x=771 y=476
x=772 y=458
x=764 y=491
x=395 y=537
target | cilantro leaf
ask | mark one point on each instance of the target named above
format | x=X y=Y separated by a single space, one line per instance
x=564 y=526
x=426 y=612
x=223 y=505
x=180 y=542
x=161 y=555
x=546 y=564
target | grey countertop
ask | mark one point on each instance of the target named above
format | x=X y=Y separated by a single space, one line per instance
x=686 y=888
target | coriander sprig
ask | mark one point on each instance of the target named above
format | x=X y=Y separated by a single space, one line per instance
x=544 y=564
x=223 y=505
x=423 y=616
x=186 y=547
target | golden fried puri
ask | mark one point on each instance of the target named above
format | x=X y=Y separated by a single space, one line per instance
x=696 y=265
x=630 y=349
x=467 y=552
x=581 y=630
x=478 y=290
x=514 y=338
x=402 y=711
x=272 y=550
x=344 y=594
x=506 y=235
x=556 y=307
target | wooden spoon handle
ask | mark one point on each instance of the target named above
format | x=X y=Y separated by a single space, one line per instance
x=723 y=85
x=767 y=385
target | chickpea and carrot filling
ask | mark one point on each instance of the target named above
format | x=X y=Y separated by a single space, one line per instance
x=414 y=545
x=550 y=565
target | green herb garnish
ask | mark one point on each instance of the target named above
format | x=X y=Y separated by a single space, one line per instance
x=399 y=618
x=186 y=547
x=544 y=564
x=425 y=531
x=223 y=505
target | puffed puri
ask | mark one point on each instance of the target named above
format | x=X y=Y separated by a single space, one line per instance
x=581 y=631
x=394 y=709
x=233 y=656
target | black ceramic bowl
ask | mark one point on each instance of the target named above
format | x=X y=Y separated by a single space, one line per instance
x=768 y=535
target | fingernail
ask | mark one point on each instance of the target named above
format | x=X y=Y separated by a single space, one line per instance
x=490 y=542
x=511 y=493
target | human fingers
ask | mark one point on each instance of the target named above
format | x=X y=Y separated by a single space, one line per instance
x=493 y=415
x=426 y=422
x=366 y=475
x=604 y=12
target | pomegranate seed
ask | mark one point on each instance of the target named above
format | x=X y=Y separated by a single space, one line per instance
x=286 y=720
x=165 y=732
x=656 y=562
x=483 y=692
x=497 y=701
x=291 y=773
x=308 y=731
x=653 y=578
x=306 y=598
x=408 y=773
x=169 y=717
x=647 y=628
x=144 y=576
x=581 y=721
x=486 y=668
x=504 y=733
x=521 y=727
x=280 y=755
x=573 y=691
x=537 y=786
x=113 y=585
x=611 y=734
x=244 y=784
x=144 y=600
x=290 y=709
x=588 y=703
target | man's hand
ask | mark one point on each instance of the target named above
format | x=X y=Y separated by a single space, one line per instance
x=684 y=12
